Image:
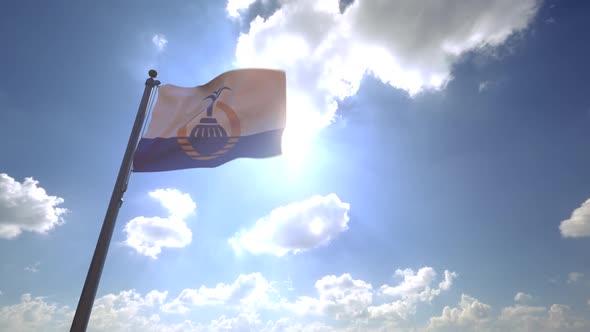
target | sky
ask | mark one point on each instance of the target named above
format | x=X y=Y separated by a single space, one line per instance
x=434 y=174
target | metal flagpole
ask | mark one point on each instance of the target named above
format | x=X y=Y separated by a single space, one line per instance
x=86 y=301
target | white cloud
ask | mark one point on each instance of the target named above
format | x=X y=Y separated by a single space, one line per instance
x=395 y=311
x=291 y=325
x=160 y=41
x=557 y=317
x=242 y=322
x=522 y=297
x=128 y=311
x=148 y=235
x=296 y=227
x=521 y=312
x=412 y=283
x=33 y=268
x=483 y=86
x=344 y=304
x=247 y=291
x=415 y=287
x=448 y=280
x=340 y=297
x=410 y=45
x=578 y=224
x=574 y=277
x=469 y=313
x=347 y=299
x=179 y=205
x=418 y=284
x=234 y=7
x=32 y=314
x=155 y=297
x=27 y=207
x=473 y=315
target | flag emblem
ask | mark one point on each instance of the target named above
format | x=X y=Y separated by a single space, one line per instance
x=198 y=146
x=241 y=113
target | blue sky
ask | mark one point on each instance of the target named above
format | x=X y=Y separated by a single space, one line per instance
x=443 y=147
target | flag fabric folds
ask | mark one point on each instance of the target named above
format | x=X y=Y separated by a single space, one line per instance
x=240 y=113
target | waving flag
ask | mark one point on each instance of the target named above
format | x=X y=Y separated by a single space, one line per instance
x=240 y=113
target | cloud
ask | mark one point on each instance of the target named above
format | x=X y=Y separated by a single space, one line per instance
x=522 y=297
x=247 y=291
x=33 y=268
x=234 y=7
x=578 y=224
x=469 y=313
x=27 y=207
x=242 y=322
x=131 y=311
x=473 y=315
x=179 y=205
x=415 y=287
x=346 y=299
x=343 y=304
x=291 y=325
x=148 y=235
x=519 y=312
x=410 y=45
x=483 y=86
x=412 y=283
x=296 y=227
x=128 y=311
x=557 y=317
x=418 y=284
x=160 y=42
x=32 y=314
x=574 y=277
x=340 y=297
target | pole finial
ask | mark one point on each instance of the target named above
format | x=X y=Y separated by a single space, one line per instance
x=153 y=73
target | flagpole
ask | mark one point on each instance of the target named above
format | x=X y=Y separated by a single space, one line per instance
x=86 y=301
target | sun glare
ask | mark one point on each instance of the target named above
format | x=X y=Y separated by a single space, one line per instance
x=303 y=124
x=316 y=227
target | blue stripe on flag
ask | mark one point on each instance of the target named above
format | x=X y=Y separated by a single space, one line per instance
x=165 y=154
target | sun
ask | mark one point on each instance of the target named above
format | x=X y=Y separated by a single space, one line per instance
x=316 y=226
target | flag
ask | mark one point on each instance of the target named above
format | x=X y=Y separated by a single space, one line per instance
x=240 y=113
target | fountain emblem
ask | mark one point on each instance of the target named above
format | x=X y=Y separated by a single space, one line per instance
x=208 y=139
